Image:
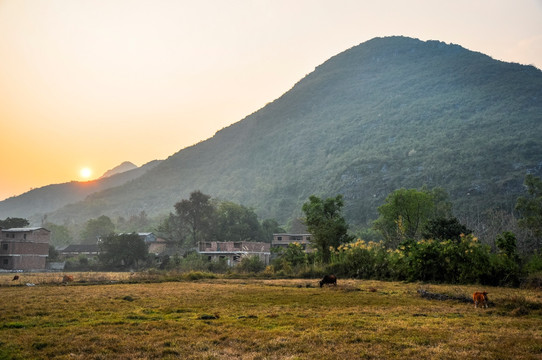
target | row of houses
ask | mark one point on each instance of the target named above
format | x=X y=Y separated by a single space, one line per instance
x=28 y=248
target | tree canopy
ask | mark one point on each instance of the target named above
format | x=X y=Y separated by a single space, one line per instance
x=530 y=208
x=326 y=224
x=123 y=250
x=10 y=223
x=406 y=212
x=96 y=229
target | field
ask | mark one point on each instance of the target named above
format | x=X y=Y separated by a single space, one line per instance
x=103 y=316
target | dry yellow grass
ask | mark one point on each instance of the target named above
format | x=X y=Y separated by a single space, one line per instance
x=262 y=319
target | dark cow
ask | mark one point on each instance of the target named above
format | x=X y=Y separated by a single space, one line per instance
x=16 y=277
x=480 y=298
x=328 y=279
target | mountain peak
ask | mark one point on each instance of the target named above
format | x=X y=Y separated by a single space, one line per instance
x=125 y=166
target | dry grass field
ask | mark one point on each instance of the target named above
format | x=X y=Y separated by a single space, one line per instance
x=102 y=316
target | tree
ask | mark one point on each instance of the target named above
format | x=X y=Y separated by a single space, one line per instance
x=96 y=229
x=123 y=250
x=196 y=217
x=530 y=208
x=60 y=235
x=407 y=211
x=445 y=229
x=270 y=227
x=10 y=223
x=237 y=223
x=326 y=224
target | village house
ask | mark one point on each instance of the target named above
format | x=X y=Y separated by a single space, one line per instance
x=283 y=240
x=156 y=245
x=24 y=248
x=76 y=250
x=234 y=251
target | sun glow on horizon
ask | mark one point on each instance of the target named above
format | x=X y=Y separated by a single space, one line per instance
x=85 y=173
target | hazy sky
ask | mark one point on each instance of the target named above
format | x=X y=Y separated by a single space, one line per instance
x=94 y=83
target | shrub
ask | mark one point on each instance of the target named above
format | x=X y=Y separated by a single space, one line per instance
x=251 y=264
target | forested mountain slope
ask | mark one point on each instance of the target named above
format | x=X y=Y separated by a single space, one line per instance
x=389 y=113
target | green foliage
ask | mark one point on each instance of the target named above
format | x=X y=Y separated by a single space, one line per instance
x=251 y=264
x=407 y=212
x=9 y=223
x=195 y=216
x=136 y=223
x=445 y=229
x=326 y=224
x=201 y=218
x=60 y=235
x=237 y=223
x=96 y=229
x=463 y=261
x=123 y=251
x=270 y=227
x=530 y=208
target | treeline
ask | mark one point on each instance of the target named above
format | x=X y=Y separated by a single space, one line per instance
x=419 y=240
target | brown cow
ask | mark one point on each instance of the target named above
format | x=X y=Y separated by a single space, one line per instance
x=67 y=278
x=480 y=298
x=16 y=277
x=328 y=279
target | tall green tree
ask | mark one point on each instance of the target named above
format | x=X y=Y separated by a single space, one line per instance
x=9 y=223
x=406 y=213
x=123 y=250
x=326 y=224
x=96 y=229
x=530 y=209
x=195 y=216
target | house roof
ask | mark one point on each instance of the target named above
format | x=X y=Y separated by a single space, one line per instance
x=81 y=248
x=24 y=229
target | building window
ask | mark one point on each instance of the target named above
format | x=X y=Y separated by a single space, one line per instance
x=24 y=236
x=279 y=237
x=5 y=261
x=4 y=246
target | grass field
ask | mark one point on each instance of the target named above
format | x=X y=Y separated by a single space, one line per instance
x=260 y=319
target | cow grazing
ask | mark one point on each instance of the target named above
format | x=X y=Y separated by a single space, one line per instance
x=16 y=277
x=480 y=298
x=67 y=278
x=328 y=279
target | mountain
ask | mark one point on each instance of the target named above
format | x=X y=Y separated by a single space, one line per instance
x=125 y=166
x=37 y=202
x=389 y=113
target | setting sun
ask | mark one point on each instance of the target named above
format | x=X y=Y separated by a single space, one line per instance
x=85 y=173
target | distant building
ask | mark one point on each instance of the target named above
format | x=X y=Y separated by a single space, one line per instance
x=234 y=251
x=24 y=248
x=283 y=240
x=75 y=250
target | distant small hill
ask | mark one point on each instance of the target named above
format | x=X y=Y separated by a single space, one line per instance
x=389 y=113
x=125 y=166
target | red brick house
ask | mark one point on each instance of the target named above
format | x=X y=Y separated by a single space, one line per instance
x=24 y=248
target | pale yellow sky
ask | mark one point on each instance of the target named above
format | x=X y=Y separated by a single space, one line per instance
x=94 y=83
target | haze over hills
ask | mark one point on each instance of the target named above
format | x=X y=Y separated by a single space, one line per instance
x=389 y=113
x=125 y=166
x=37 y=202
